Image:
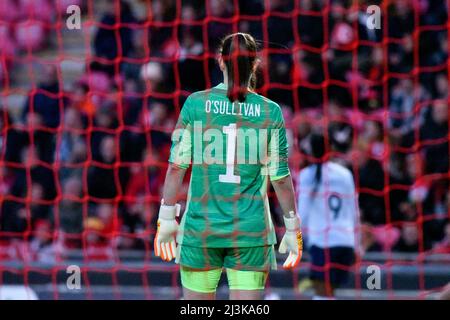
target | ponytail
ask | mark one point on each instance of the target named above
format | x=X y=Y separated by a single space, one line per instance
x=318 y=152
x=239 y=55
x=318 y=176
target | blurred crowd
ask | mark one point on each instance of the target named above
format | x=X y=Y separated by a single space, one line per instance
x=84 y=167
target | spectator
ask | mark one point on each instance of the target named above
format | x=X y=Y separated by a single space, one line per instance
x=18 y=217
x=111 y=224
x=132 y=102
x=95 y=246
x=6 y=180
x=190 y=50
x=81 y=100
x=401 y=208
x=402 y=103
x=105 y=122
x=409 y=241
x=145 y=179
x=106 y=43
x=160 y=123
x=443 y=246
x=373 y=136
x=73 y=146
x=217 y=30
x=38 y=173
x=401 y=19
x=39 y=210
x=435 y=130
x=441 y=86
x=101 y=232
x=435 y=211
x=369 y=242
x=42 y=111
x=132 y=139
x=71 y=212
x=152 y=73
x=371 y=184
x=282 y=29
x=12 y=140
x=159 y=34
x=340 y=131
x=310 y=26
x=102 y=178
x=41 y=247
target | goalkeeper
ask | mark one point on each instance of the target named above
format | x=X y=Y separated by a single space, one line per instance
x=227 y=221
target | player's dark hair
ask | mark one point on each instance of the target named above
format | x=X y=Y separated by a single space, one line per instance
x=318 y=152
x=238 y=52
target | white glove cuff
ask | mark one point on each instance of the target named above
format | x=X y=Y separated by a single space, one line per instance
x=292 y=224
x=169 y=212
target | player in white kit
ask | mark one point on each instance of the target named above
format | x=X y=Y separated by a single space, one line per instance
x=328 y=207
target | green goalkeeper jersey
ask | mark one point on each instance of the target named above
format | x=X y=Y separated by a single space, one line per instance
x=233 y=148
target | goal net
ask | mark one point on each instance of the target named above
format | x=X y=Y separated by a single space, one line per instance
x=91 y=92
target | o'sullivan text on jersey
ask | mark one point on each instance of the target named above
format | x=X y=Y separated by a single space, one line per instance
x=233 y=108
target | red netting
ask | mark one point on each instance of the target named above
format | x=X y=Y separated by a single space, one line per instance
x=86 y=117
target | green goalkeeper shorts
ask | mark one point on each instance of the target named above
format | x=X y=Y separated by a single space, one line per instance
x=208 y=280
x=260 y=258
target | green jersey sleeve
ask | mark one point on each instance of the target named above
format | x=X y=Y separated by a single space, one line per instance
x=278 y=148
x=181 y=150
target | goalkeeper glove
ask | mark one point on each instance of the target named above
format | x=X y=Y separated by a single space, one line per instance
x=292 y=241
x=165 y=240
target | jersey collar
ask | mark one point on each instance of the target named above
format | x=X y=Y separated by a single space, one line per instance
x=222 y=86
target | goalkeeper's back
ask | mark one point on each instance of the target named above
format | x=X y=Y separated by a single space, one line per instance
x=234 y=139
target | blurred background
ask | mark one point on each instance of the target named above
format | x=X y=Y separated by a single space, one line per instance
x=86 y=117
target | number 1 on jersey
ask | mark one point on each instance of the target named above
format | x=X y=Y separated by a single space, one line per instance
x=229 y=176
